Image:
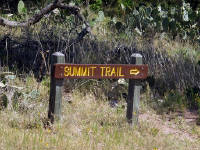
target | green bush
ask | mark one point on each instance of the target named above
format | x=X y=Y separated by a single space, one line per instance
x=193 y=98
x=174 y=101
x=96 y=5
x=3 y=101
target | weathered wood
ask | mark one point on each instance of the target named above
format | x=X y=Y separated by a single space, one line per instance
x=55 y=99
x=100 y=71
x=0 y=69
x=133 y=100
x=134 y=71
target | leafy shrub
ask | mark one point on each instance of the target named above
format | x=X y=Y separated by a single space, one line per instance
x=174 y=100
x=193 y=97
x=3 y=101
x=193 y=100
x=96 y=5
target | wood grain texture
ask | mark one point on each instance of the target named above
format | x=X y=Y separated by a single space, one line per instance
x=55 y=99
x=133 y=99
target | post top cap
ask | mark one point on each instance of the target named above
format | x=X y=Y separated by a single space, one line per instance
x=58 y=54
x=136 y=55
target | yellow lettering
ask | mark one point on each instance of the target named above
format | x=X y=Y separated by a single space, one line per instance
x=66 y=71
x=120 y=72
x=134 y=71
x=84 y=71
x=107 y=71
x=80 y=70
x=93 y=70
x=88 y=69
x=102 y=71
x=113 y=72
x=75 y=70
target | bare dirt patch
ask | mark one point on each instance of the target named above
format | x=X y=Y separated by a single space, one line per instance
x=180 y=126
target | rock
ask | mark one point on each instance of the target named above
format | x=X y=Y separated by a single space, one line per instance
x=2 y=85
x=113 y=103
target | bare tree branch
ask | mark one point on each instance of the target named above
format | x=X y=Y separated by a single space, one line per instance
x=37 y=17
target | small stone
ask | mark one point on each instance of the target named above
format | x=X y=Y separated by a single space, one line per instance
x=113 y=103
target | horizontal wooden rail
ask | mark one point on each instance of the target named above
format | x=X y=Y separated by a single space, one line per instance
x=100 y=71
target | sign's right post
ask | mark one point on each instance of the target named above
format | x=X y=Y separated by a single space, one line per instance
x=133 y=99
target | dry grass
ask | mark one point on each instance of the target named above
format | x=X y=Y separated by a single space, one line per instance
x=177 y=47
x=86 y=124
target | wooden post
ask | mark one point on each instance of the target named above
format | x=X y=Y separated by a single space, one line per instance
x=0 y=69
x=134 y=93
x=55 y=99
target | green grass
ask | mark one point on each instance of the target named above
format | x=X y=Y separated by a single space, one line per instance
x=86 y=123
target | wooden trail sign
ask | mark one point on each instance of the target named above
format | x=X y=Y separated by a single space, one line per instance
x=100 y=71
x=134 y=72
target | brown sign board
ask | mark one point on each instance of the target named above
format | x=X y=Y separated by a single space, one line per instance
x=100 y=71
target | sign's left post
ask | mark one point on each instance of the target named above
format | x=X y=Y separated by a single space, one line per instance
x=55 y=99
